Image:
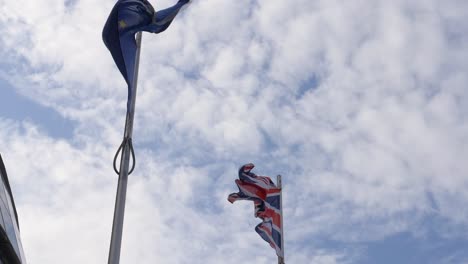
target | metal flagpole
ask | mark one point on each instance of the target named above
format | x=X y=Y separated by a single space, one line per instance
x=119 y=211
x=280 y=185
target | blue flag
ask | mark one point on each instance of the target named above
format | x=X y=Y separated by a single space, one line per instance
x=125 y=20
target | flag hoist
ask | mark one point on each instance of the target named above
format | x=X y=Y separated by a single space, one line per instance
x=122 y=36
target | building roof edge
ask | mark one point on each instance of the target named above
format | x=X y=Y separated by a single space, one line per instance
x=8 y=188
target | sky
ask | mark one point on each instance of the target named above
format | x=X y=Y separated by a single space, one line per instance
x=360 y=105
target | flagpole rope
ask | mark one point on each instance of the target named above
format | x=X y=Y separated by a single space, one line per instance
x=125 y=142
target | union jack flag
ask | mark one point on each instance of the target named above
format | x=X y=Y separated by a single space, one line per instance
x=266 y=197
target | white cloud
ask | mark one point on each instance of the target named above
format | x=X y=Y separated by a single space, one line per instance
x=360 y=105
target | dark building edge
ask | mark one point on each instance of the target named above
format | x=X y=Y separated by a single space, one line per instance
x=7 y=185
x=6 y=249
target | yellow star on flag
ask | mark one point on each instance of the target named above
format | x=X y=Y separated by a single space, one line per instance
x=122 y=24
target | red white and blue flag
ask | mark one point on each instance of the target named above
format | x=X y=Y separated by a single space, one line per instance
x=267 y=201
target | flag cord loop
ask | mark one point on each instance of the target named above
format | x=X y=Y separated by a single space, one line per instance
x=125 y=141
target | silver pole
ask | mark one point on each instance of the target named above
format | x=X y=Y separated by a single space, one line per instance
x=280 y=185
x=119 y=212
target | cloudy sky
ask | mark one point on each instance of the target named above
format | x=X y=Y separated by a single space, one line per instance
x=361 y=105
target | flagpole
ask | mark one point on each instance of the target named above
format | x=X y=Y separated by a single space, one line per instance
x=280 y=185
x=119 y=211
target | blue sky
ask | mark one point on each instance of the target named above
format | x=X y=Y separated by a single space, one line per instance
x=17 y=107
x=361 y=106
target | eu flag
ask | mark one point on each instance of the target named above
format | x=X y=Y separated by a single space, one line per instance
x=125 y=20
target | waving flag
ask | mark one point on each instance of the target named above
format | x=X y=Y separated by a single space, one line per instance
x=127 y=18
x=266 y=197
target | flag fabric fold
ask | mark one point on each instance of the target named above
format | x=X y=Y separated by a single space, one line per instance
x=266 y=197
x=126 y=19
